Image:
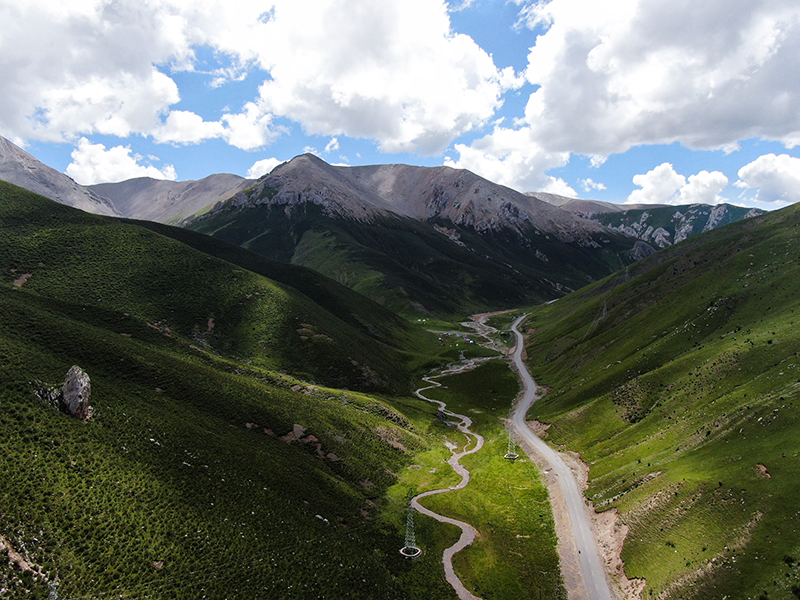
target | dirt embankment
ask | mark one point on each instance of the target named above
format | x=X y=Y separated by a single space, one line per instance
x=610 y=533
x=15 y=558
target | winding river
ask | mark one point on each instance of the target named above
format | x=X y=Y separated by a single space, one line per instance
x=468 y=532
x=590 y=582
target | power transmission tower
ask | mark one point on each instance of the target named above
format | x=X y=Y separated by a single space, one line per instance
x=511 y=453
x=410 y=549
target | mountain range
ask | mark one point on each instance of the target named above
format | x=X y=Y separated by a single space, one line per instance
x=423 y=241
x=140 y=198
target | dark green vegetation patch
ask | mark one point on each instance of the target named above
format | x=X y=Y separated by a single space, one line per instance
x=678 y=381
x=416 y=268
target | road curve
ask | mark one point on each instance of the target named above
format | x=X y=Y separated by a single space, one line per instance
x=594 y=578
x=468 y=532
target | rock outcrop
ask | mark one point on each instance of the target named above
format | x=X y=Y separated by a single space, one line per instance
x=658 y=225
x=74 y=395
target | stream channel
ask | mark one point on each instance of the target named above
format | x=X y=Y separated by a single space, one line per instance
x=463 y=423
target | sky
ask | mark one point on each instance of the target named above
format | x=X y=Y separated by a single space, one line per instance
x=627 y=101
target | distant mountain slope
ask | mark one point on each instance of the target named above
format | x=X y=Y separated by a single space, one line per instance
x=419 y=240
x=677 y=381
x=205 y=470
x=657 y=224
x=169 y=201
x=22 y=169
x=663 y=226
x=588 y=208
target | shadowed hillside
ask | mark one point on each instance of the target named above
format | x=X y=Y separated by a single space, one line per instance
x=118 y=266
x=204 y=470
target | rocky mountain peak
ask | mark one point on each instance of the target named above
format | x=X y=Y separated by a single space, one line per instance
x=22 y=169
x=421 y=193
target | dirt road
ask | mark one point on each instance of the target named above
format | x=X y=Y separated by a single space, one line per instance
x=589 y=580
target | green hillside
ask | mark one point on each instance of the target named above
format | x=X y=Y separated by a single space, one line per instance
x=356 y=310
x=123 y=267
x=409 y=266
x=180 y=485
x=677 y=380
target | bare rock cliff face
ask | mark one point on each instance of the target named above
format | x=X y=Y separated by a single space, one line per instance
x=22 y=169
x=422 y=193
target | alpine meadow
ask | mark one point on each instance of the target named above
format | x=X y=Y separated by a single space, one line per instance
x=399 y=300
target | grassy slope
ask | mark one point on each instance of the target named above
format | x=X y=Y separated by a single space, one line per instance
x=676 y=380
x=349 y=306
x=175 y=488
x=120 y=266
x=408 y=266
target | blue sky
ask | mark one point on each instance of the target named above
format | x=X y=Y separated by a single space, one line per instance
x=624 y=101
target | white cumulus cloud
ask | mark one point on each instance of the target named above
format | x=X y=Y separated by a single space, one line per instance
x=249 y=129
x=86 y=67
x=588 y=185
x=513 y=159
x=618 y=74
x=93 y=163
x=663 y=185
x=657 y=186
x=262 y=167
x=391 y=71
x=777 y=178
x=184 y=127
x=332 y=146
x=609 y=76
x=703 y=188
